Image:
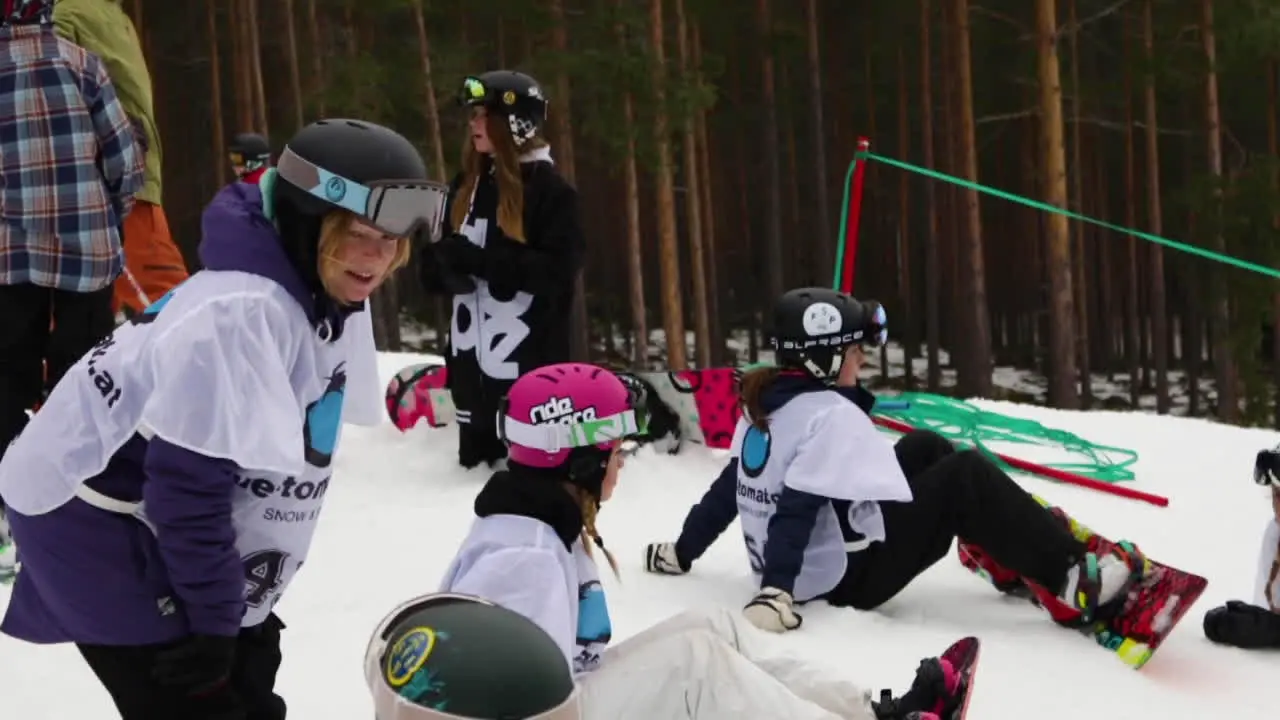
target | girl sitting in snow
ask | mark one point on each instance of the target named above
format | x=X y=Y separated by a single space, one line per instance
x=830 y=511
x=1256 y=626
x=564 y=426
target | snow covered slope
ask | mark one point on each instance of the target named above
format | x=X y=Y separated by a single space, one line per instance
x=398 y=505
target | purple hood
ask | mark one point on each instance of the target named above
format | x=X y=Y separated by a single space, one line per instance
x=235 y=234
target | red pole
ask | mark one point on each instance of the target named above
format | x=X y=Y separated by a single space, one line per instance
x=1048 y=472
x=855 y=214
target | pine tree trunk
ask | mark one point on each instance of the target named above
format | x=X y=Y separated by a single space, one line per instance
x=1078 y=250
x=318 y=49
x=295 y=73
x=668 y=243
x=932 y=300
x=1219 y=303
x=635 y=253
x=1062 y=338
x=1158 y=336
x=220 y=169
x=693 y=207
x=769 y=147
x=826 y=233
x=705 y=185
x=910 y=344
x=974 y=371
x=255 y=68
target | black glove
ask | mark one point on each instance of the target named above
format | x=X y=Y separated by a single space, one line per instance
x=196 y=665
x=436 y=266
x=461 y=255
x=1243 y=625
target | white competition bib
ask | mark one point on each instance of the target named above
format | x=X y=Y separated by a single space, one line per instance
x=226 y=365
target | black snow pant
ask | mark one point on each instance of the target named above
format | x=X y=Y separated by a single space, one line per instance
x=479 y=443
x=34 y=356
x=956 y=494
x=126 y=672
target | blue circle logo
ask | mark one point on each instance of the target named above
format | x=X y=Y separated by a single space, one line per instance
x=335 y=189
x=756 y=445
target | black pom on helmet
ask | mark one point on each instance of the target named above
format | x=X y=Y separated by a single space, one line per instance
x=512 y=94
x=354 y=149
x=454 y=656
x=812 y=328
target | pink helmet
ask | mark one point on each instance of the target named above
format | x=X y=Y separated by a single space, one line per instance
x=552 y=410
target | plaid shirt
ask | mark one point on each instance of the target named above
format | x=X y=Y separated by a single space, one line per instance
x=69 y=164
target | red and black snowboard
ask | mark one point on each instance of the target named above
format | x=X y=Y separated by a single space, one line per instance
x=963 y=656
x=1153 y=608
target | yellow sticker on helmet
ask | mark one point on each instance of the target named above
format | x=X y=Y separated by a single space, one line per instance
x=509 y=97
x=409 y=654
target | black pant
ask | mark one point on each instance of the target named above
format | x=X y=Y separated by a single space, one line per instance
x=125 y=671
x=479 y=443
x=956 y=494
x=33 y=357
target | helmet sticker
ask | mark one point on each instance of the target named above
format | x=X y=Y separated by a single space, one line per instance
x=509 y=98
x=335 y=189
x=409 y=654
x=822 y=318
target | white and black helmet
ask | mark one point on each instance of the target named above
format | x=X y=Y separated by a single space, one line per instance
x=812 y=328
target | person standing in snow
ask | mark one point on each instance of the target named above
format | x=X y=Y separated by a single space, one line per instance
x=831 y=511
x=529 y=550
x=71 y=167
x=510 y=254
x=250 y=156
x=1256 y=626
x=168 y=490
x=153 y=263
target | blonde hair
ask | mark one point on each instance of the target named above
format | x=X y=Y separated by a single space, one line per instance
x=333 y=231
x=506 y=168
x=590 y=506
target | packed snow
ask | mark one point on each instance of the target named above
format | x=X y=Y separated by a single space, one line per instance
x=399 y=505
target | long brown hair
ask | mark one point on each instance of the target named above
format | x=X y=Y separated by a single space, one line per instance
x=506 y=168
x=750 y=392
x=590 y=506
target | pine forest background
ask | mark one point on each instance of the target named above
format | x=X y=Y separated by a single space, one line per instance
x=709 y=141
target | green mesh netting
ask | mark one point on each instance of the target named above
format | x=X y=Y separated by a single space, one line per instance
x=960 y=421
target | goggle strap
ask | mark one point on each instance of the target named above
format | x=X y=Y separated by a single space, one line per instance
x=554 y=437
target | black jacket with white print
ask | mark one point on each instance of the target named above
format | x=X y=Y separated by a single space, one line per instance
x=511 y=300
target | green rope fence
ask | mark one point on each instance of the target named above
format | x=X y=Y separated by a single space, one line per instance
x=962 y=422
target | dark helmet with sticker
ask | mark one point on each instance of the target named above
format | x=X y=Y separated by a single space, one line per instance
x=457 y=656
x=514 y=95
x=812 y=328
x=249 y=150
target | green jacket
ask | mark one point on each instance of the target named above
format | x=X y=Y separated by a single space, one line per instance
x=103 y=28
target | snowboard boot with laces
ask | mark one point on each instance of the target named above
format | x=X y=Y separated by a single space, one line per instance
x=934 y=695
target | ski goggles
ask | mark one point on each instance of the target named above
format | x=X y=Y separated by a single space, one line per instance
x=565 y=428
x=396 y=207
x=1266 y=468
x=879 y=330
x=388 y=703
x=475 y=92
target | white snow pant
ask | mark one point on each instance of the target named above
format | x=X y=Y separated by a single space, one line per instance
x=713 y=666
